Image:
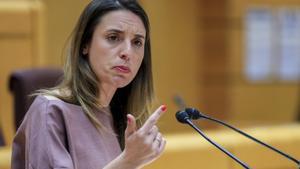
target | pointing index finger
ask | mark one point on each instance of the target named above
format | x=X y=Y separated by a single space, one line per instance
x=153 y=119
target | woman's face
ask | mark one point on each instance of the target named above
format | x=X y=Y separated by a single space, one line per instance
x=116 y=50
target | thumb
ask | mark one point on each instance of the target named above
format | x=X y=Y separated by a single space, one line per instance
x=131 y=125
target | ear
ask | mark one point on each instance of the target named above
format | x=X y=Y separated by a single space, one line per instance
x=85 y=50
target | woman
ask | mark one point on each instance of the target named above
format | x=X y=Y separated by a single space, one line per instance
x=84 y=122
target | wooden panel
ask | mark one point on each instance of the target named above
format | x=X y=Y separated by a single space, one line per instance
x=15 y=54
x=175 y=45
x=38 y=24
x=190 y=151
x=214 y=57
x=60 y=19
x=250 y=103
x=264 y=104
x=215 y=102
x=20 y=13
x=238 y=7
x=285 y=138
x=20 y=48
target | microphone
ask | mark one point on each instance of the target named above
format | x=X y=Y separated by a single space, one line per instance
x=180 y=103
x=184 y=117
x=194 y=114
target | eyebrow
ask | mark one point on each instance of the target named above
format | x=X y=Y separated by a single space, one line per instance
x=120 y=31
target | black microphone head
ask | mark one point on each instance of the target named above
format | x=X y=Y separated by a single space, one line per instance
x=182 y=116
x=193 y=113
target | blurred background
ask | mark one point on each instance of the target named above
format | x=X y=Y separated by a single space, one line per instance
x=235 y=60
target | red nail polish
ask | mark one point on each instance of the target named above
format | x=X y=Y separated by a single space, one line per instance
x=163 y=108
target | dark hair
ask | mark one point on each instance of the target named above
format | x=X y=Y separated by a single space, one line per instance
x=81 y=82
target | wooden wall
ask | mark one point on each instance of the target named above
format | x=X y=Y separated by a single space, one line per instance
x=273 y=102
x=20 y=46
x=190 y=150
x=176 y=61
x=198 y=52
x=32 y=34
x=60 y=19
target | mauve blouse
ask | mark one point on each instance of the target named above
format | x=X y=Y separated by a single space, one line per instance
x=58 y=135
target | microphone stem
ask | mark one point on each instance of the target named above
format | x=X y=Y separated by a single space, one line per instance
x=258 y=141
x=216 y=145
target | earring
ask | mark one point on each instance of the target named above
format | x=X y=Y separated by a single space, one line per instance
x=85 y=53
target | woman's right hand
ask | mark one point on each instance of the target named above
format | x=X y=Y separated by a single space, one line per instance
x=146 y=144
x=142 y=146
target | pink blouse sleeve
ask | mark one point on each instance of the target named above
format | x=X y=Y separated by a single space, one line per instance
x=41 y=141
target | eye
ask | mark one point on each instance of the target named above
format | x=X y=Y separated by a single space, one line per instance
x=138 y=43
x=113 y=38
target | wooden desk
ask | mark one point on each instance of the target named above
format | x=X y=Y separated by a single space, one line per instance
x=191 y=151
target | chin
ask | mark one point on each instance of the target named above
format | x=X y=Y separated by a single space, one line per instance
x=121 y=82
x=122 y=85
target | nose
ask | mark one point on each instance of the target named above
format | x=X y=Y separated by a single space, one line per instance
x=124 y=57
x=126 y=51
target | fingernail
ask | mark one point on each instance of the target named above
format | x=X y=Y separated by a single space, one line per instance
x=163 y=108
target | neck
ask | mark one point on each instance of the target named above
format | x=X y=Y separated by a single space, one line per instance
x=106 y=94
